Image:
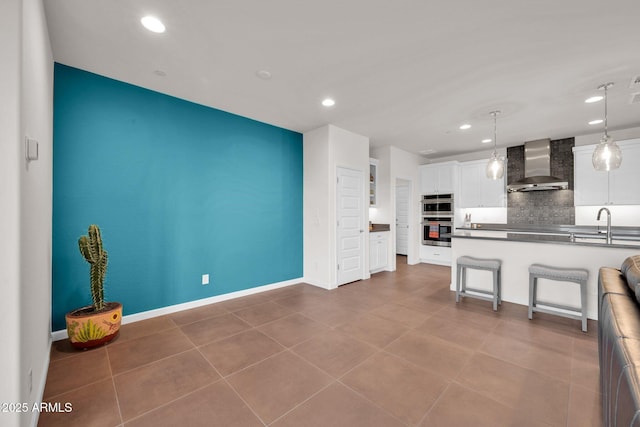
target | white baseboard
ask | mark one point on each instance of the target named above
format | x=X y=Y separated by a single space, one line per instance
x=39 y=390
x=316 y=283
x=436 y=262
x=136 y=317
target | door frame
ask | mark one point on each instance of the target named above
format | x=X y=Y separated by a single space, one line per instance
x=364 y=267
x=404 y=184
x=412 y=249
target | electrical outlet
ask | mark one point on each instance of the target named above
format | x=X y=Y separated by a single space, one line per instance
x=205 y=279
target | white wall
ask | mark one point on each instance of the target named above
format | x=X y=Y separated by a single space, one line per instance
x=35 y=204
x=325 y=149
x=404 y=166
x=316 y=215
x=628 y=216
x=25 y=196
x=10 y=51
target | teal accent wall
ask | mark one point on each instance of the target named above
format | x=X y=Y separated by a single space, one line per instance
x=178 y=189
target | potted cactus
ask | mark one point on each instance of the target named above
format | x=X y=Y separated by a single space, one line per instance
x=98 y=323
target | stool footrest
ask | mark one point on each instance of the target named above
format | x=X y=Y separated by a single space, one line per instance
x=560 y=306
x=557 y=313
x=480 y=291
x=482 y=297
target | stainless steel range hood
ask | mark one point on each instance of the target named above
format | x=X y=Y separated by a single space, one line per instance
x=537 y=169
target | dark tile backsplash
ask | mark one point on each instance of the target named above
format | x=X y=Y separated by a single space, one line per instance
x=542 y=207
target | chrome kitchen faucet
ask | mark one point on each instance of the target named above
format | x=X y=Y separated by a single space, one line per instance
x=609 y=237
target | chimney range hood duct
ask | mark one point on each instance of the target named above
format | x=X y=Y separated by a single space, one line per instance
x=537 y=169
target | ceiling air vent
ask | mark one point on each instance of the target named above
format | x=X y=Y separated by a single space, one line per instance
x=635 y=98
x=635 y=82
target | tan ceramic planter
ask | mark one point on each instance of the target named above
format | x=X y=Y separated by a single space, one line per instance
x=87 y=329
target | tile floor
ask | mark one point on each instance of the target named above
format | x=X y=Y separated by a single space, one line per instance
x=395 y=350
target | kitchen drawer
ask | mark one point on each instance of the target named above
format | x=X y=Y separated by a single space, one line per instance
x=435 y=254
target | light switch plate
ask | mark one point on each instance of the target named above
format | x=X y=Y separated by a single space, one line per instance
x=31 y=149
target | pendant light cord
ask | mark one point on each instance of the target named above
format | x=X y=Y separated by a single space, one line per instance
x=495 y=131
x=606 y=135
x=605 y=87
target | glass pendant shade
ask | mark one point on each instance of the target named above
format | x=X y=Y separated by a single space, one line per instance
x=495 y=167
x=607 y=155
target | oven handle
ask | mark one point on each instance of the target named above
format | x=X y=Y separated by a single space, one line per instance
x=438 y=222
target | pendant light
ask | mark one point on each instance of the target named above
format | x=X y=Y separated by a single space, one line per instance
x=495 y=167
x=607 y=155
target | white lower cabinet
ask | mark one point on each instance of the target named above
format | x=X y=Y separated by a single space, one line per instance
x=378 y=251
x=435 y=254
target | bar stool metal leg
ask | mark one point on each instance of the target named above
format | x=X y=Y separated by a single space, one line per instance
x=495 y=289
x=532 y=293
x=583 y=304
x=458 y=281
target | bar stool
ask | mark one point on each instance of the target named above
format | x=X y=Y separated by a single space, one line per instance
x=574 y=275
x=493 y=265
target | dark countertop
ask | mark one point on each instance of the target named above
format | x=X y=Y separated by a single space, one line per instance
x=632 y=233
x=380 y=227
x=557 y=238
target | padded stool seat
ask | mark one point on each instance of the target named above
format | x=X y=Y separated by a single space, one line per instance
x=493 y=265
x=575 y=275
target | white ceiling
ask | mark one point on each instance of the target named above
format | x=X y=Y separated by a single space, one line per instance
x=404 y=73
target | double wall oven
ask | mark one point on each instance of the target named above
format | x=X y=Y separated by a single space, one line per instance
x=437 y=219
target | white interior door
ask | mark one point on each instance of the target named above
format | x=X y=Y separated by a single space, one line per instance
x=402 y=219
x=350 y=214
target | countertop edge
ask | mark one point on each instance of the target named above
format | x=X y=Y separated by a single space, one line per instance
x=553 y=242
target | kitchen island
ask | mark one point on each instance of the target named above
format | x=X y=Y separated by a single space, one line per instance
x=518 y=249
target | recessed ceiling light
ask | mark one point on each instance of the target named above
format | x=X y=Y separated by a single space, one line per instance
x=328 y=102
x=263 y=74
x=596 y=122
x=486 y=140
x=153 y=24
x=465 y=126
x=594 y=99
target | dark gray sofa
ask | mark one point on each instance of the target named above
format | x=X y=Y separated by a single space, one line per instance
x=619 y=343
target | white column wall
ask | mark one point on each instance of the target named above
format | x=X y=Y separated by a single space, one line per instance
x=316 y=212
x=35 y=205
x=326 y=149
x=26 y=109
x=348 y=150
x=10 y=51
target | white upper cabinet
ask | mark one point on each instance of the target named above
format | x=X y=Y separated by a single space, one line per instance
x=478 y=191
x=591 y=187
x=438 y=178
x=617 y=187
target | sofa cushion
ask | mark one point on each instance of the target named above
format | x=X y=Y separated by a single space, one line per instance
x=612 y=281
x=631 y=271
